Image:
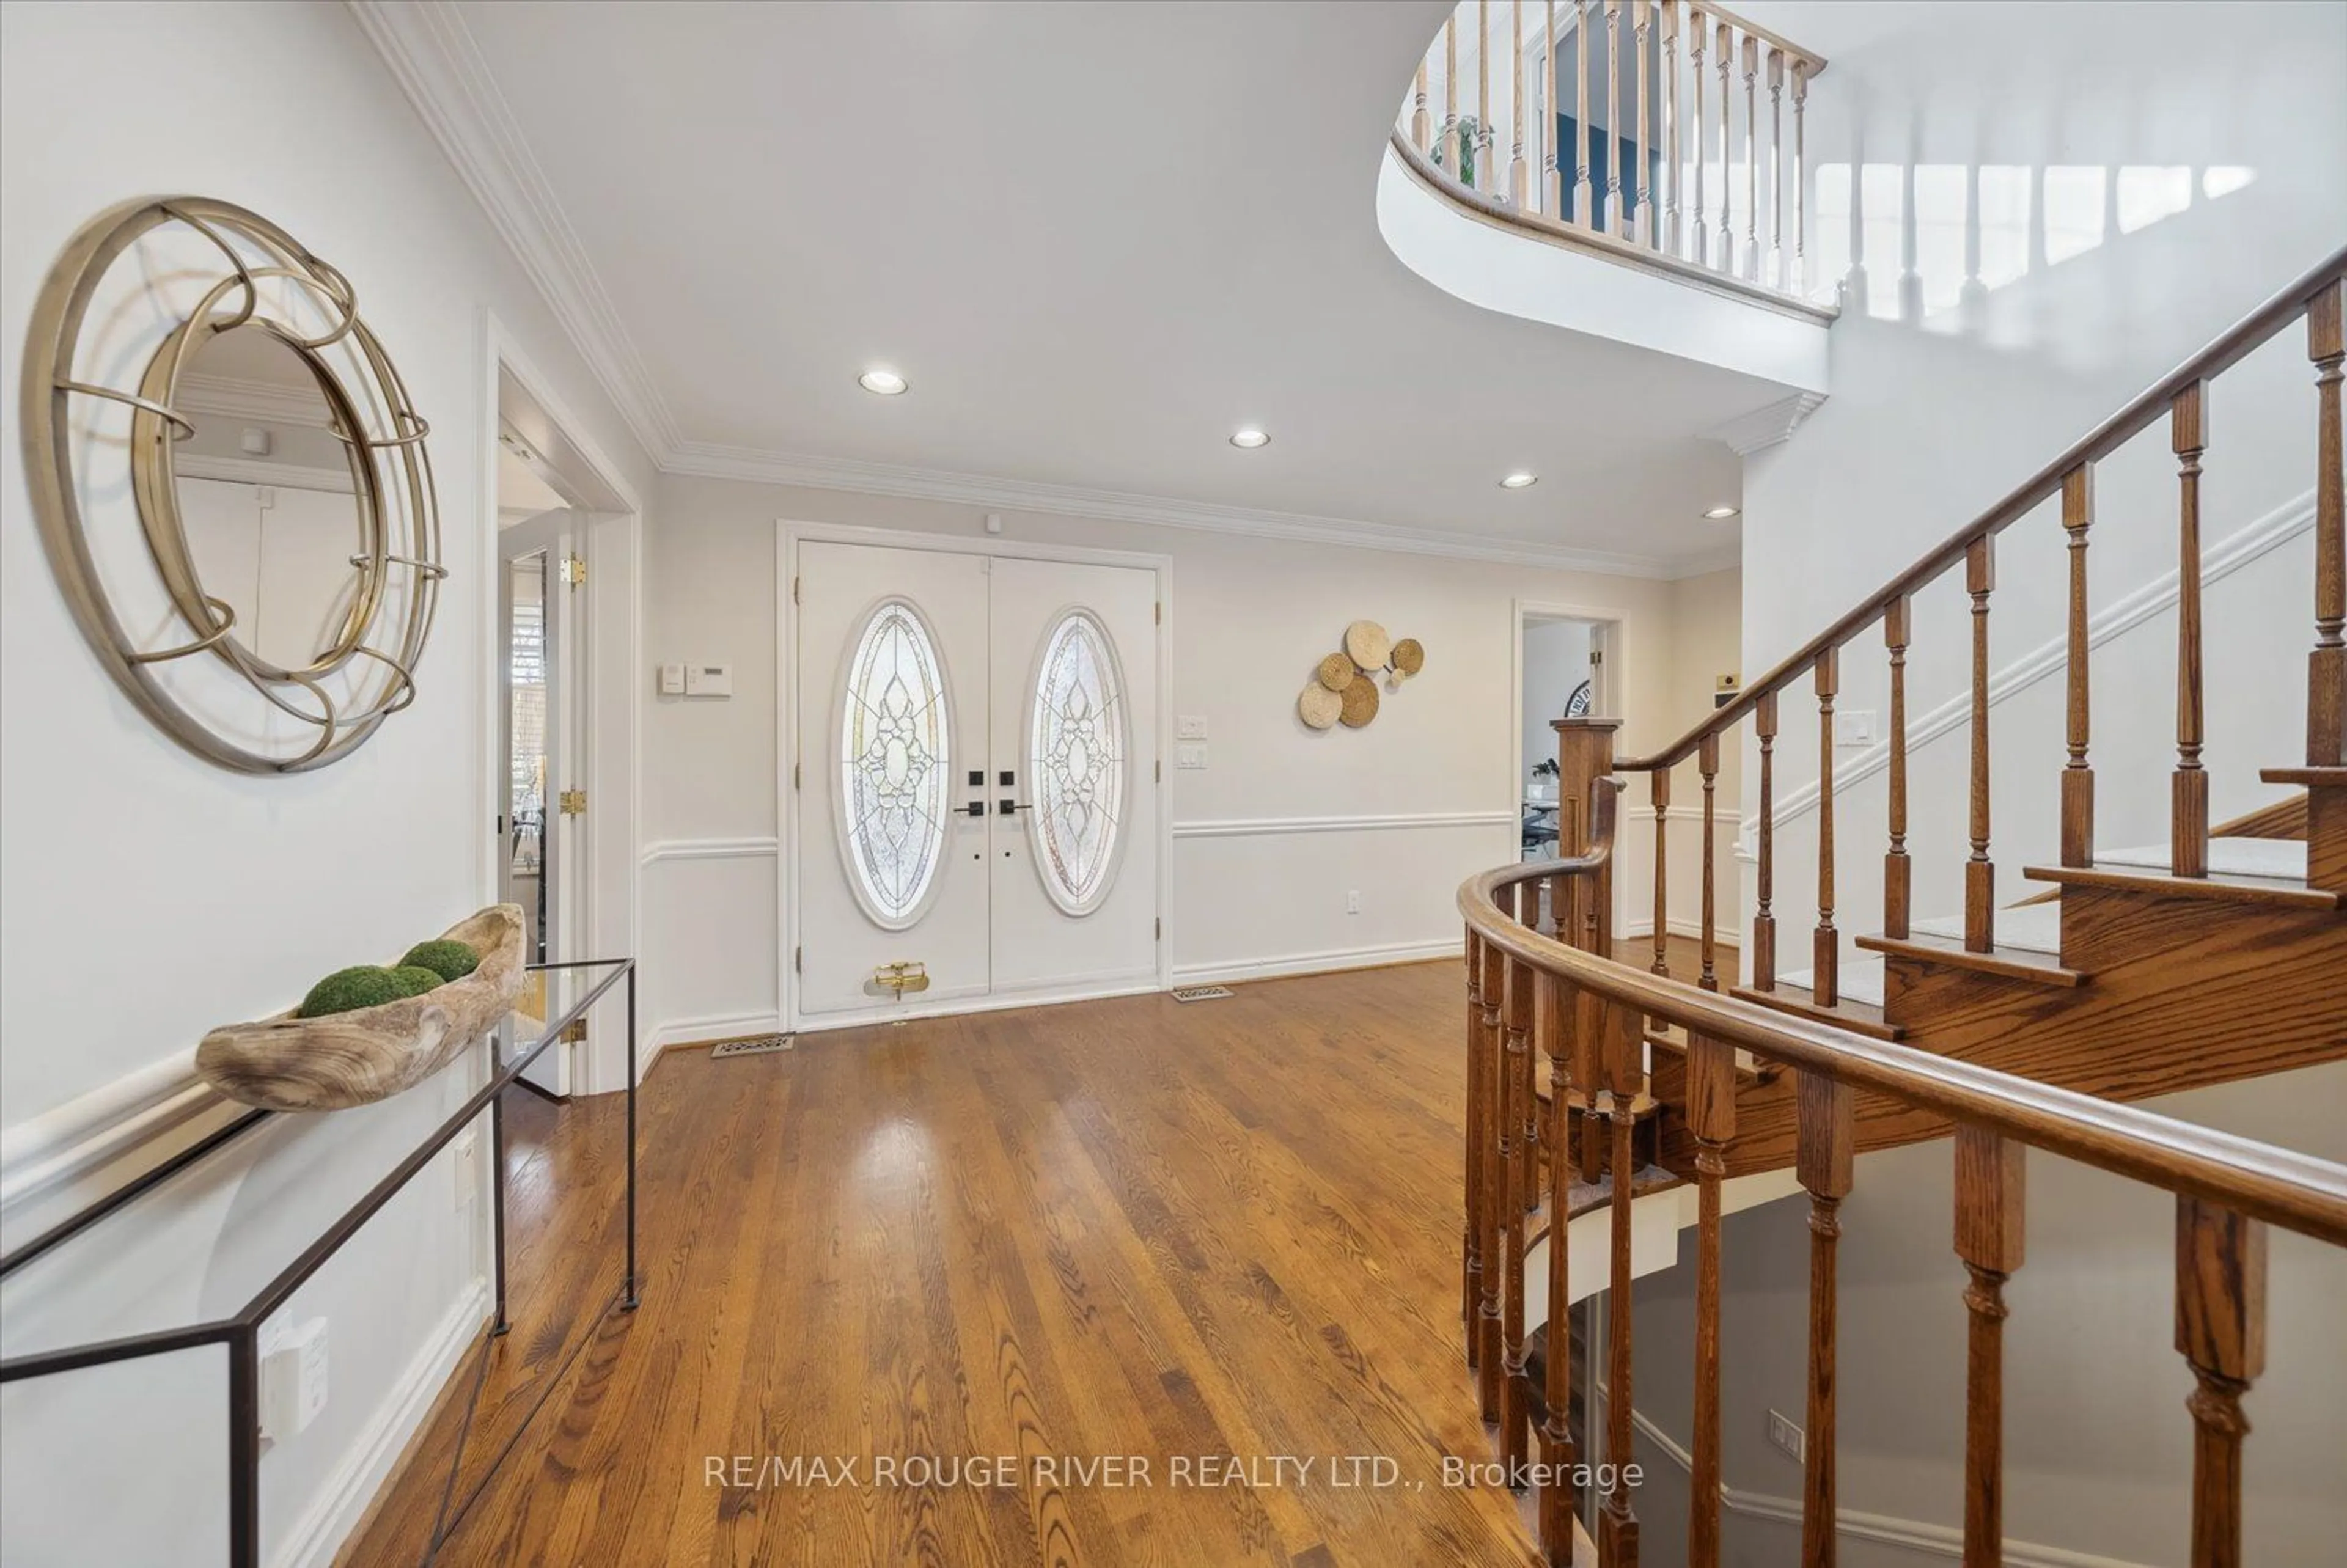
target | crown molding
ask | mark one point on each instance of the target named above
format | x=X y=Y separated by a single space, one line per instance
x=702 y=460
x=432 y=55
x=1766 y=426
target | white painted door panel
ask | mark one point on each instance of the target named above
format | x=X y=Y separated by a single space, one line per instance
x=1075 y=869
x=845 y=937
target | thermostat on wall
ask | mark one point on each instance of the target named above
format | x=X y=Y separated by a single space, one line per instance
x=708 y=679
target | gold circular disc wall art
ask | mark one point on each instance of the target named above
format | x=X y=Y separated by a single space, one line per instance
x=1367 y=643
x=1409 y=657
x=1337 y=671
x=1319 y=707
x=276 y=667
x=1360 y=701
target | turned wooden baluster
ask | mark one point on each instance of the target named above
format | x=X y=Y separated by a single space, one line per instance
x=1979 y=872
x=1698 y=32
x=1624 y=1050
x=1484 y=180
x=1514 y=1413
x=1800 y=280
x=1723 y=50
x=1659 y=781
x=1642 y=197
x=1764 y=920
x=2326 y=672
x=1471 y=1286
x=2220 y=1330
x=1552 y=165
x=1583 y=198
x=1558 y=1002
x=1669 y=237
x=1511 y=1110
x=1897 y=885
x=1707 y=762
x=2189 y=826
x=1827 y=951
x=1776 y=167
x=1418 y=122
x=2077 y=776
x=1827 y=1143
x=1492 y=1157
x=1517 y=182
x=1711 y=1117
x=1751 y=270
x=1446 y=150
x=1614 y=218
x=1534 y=1139
x=1989 y=1239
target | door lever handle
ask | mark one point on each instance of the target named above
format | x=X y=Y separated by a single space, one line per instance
x=1005 y=808
x=976 y=808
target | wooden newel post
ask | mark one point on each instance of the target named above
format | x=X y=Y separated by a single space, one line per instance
x=2220 y=1330
x=1584 y=753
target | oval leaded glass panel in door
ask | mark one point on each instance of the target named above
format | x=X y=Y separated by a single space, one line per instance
x=892 y=743
x=1076 y=745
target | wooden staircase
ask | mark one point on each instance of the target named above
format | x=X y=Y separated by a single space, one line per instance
x=1626 y=1098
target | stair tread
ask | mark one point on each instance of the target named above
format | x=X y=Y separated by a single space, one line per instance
x=2312 y=778
x=2268 y=859
x=2224 y=887
x=2032 y=927
x=1863 y=980
x=2030 y=966
x=1794 y=994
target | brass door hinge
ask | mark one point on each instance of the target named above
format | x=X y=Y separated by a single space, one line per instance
x=575 y=1031
x=572 y=802
x=574 y=570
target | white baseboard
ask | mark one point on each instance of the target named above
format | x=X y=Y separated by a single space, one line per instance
x=707 y=1027
x=1313 y=963
x=344 y=1501
x=1913 y=1534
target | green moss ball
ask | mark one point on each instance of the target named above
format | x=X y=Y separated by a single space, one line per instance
x=361 y=986
x=451 y=960
x=415 y=979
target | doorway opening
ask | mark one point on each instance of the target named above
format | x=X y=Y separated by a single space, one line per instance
x=550 y=498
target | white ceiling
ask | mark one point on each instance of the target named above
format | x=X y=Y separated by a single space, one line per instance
x=1096 y=239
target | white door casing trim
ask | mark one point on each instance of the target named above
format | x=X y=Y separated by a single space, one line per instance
x=792 y=839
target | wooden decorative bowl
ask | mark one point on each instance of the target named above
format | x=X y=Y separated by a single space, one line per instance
x=355 y=1058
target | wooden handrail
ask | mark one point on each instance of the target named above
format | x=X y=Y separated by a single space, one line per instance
x=2295 y=1191
x=2154 y=403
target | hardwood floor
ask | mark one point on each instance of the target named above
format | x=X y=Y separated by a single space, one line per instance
x=1117 y=1228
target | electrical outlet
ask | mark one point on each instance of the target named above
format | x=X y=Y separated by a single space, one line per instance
x=1854 y=728
x=1787 y=1438
x=1353 y=901
x=293 y=1375
x=1190 y=757
x=1191 y=727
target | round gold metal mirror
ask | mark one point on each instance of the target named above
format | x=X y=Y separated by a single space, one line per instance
x=231 y=482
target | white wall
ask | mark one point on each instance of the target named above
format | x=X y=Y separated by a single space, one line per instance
x=1556 y=659
x=2097 y=1442
x=1946 y=397
x=1258 y=879
x=146 y=896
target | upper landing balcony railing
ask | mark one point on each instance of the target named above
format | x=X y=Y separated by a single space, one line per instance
x=1653 y=129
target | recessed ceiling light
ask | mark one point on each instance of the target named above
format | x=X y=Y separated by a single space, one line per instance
x=1250 y=439
x=1518 y=481
x=885 y=383
x=1720 y=514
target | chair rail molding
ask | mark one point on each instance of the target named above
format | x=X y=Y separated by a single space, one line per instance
x=55 y=1149
x=747 y=848
x=2222 y=559
x=1267 y=826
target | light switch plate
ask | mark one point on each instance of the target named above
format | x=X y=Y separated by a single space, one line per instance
x=1190 y=757
x=1787 y=1438
x=672 y=680
x=1854 y=728
x=708 y=679
x=1191 y=727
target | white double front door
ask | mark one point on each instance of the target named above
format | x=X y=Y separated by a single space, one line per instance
x=977 y=780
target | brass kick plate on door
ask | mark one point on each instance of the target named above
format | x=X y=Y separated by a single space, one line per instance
x=899 y=979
